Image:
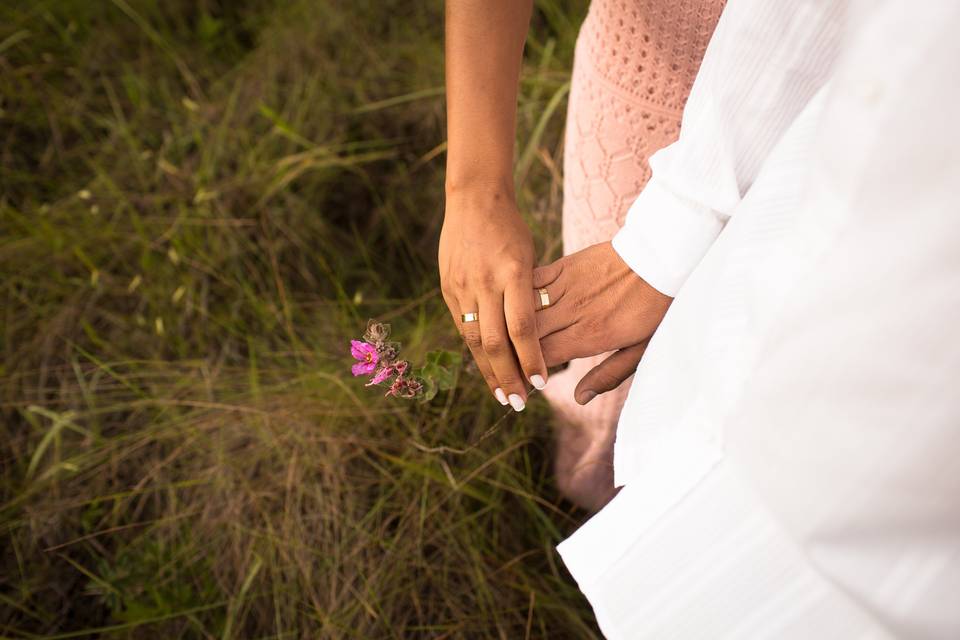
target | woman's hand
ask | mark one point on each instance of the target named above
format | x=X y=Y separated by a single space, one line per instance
x=486 y=261
x=597 y=304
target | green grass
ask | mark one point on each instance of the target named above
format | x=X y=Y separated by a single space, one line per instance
x=200 y=203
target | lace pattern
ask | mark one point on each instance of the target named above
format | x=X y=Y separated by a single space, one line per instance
x=635 y=64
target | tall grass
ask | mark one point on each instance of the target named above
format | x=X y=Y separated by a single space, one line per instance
x=200 y=203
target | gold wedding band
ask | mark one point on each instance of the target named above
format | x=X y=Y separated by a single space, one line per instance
x=544 y=298
x=470 y=317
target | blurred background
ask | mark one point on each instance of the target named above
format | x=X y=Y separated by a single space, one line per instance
x=201 y=202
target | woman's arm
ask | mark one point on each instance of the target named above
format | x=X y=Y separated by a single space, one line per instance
x=484 y=47
x=486 y=251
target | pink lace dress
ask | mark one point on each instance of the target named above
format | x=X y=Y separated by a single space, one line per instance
x=634 y=65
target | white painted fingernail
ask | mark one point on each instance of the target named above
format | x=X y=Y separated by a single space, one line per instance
x=516 y=402
x=537 y=381
x=501 y=396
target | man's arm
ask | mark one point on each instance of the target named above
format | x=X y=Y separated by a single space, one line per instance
x=764 y=63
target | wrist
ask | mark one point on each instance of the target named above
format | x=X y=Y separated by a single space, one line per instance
x=655 y=299
x=483 y=193
x=468 y=181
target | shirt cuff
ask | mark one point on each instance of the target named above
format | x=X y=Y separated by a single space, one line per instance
x=665 y=236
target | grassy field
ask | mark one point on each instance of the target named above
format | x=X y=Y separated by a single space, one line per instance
x=201 y=202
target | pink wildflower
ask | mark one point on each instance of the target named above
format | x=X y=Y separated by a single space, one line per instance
x=366 y=355
x=387 y=370
x=405 y=388
x=395 y=388
x=382 y=374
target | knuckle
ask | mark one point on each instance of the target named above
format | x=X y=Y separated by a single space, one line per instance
x=522 y=326
x=530 y=366
x=493 y=343
x=552 y=353
x=592 y=327
x=473 y=340
x=447 y=285
x=485 y=280
x=453 y=280
x=515 y=270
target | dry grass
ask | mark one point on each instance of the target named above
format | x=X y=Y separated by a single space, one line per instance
x=200 y=203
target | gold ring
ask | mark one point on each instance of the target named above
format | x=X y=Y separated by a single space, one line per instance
x=544 y=298
x=470 y=317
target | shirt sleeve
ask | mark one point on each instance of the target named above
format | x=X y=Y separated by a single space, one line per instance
x=823 y=376
x=764 y=63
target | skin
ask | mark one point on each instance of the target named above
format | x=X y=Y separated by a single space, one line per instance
x=597 y=304
x=486 y=254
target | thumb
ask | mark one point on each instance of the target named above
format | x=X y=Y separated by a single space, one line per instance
x=608 y=375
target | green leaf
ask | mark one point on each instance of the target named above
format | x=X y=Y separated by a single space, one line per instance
x=442 y=367
x=439 y=373
x=429 y=388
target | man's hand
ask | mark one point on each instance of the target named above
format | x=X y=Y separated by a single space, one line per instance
x=597 y=304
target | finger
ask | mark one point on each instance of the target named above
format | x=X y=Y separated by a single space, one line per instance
x=566 y=344
x=582 y=339
x=548 y=273
x=470 y=332
x=499 y=350
x=609 y=374
x=522 y=329
x=550 y=294
x=537 y=300
x=557 y=317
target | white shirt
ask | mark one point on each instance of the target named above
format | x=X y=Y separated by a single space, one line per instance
x=790 y=449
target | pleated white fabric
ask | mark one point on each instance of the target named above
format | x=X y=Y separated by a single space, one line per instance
x=789 y=447
x=718 y=565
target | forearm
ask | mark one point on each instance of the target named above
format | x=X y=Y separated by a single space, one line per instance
x=484 y=48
